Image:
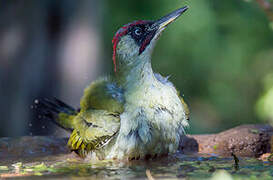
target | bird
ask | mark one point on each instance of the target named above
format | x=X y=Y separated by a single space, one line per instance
x=133 y=114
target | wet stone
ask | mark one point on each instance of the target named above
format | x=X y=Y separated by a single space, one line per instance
x=245 y=140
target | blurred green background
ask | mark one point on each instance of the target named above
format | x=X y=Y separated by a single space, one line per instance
x=219 y=55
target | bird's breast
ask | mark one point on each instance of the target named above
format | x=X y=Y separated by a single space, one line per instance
x=151 y=122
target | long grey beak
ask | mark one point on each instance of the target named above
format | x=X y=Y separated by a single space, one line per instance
x=163 y=22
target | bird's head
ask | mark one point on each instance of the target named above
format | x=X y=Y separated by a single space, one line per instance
x=139 y=37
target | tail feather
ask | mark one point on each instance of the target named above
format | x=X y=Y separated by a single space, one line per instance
x=57 y=111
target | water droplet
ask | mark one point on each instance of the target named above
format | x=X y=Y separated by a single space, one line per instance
x=43 y=127
x=30 y=125
x=31 y=107
x=36 y=101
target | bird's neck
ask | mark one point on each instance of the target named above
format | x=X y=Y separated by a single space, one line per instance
x=136 y=75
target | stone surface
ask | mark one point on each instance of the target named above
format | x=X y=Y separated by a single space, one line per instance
x=245 y=140
x=31 y=147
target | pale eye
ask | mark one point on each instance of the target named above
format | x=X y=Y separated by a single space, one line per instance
x=138 y=32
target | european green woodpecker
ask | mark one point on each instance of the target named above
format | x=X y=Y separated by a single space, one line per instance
x=134 y=114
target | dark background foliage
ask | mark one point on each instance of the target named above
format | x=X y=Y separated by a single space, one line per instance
x=219 y=55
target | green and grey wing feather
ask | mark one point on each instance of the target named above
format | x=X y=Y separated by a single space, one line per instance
x=103 y=94
x=98 y=120
x=94 y=128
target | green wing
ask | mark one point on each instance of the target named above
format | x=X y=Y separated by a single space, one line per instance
x=103 y=94
x=93 y=129
x=98 y=120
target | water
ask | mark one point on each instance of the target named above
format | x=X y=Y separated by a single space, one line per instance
x=178 y=166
